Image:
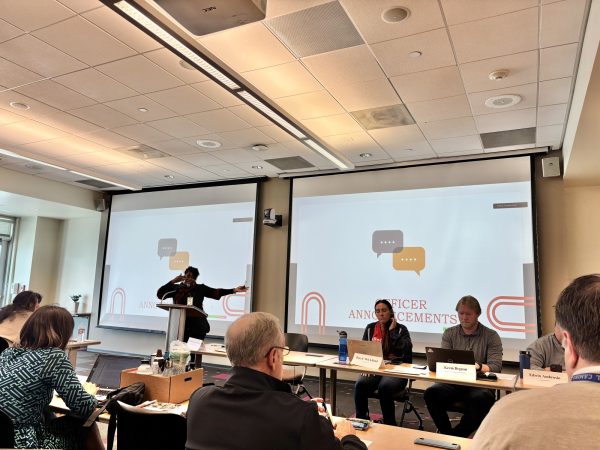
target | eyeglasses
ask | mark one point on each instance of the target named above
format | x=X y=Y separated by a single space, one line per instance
x=284 y=350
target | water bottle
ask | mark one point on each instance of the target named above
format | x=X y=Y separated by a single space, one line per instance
x=524 y=361
x=343 y=348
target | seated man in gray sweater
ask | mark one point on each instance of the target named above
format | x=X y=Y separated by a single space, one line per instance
x=547 y=351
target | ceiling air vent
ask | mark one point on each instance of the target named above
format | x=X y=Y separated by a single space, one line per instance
x=142 y=152
x=290 y=163
x=385 y=117
x=95 y=183
x=508 y=138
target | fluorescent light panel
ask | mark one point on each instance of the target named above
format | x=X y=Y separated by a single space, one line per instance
x=251 y=99
x=131 y=188
x=323 y=152
x=37 y=161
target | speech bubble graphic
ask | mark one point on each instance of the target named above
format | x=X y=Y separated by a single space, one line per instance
x=387 y=241
x=410 y=258
x=179 y=261
x=167 y=247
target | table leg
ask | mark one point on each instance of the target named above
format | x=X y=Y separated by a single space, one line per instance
x=333 y=391
x=72 y=354
x=322 y=382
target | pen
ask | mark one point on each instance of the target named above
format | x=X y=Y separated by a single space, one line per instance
x=327 y=411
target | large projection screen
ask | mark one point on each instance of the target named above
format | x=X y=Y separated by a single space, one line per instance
x=421 y=237
x=154 y=236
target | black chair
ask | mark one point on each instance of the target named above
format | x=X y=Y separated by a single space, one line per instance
x=403 y=397
x=294 y=375
x=7 y=436
x=138 y=428
x=4 y=344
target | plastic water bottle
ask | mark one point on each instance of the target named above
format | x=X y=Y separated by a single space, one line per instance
x=343 y=348
x=524 y=361
x=81 y=334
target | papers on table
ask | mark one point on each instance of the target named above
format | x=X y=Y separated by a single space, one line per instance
x=408 y=370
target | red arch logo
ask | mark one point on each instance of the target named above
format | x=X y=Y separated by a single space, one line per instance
x=507 y=301
x=118 y=292
x=233 y=311
x=312 y=297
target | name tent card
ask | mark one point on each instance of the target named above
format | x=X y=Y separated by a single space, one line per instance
x=452 y=371
x=368 y=361
x=543 y=378
x=194 y=344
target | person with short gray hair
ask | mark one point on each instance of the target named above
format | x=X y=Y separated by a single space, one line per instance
x=255 y=409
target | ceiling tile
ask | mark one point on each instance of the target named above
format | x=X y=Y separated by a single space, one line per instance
x=512 y=33
x=31 y=15
x=397 y=137
x=348 y=65
x=248 y=47
x=508 y=120
x=365 y=95
x=331 y=125
x=248 y=114
x=7 y=117
x=140 y=74
x=259 y=168
x=56 y=95
x=202 y=159
x=440 y=109
x=193 y=141
x=411 y=151
x=80 y=6
x=352 y=145
x=283 y=80
x=429 y=85
x=12 y=75
x=457 y=144
x=36 y=109
x=276 y=133
x=96 y=159
x=184 y=100
x=522 y=68
x=121 y=29
x=299 y=149
x=558 y=62
x=227 y=170
x=245 y=138
x=562 y=22
x=34 y=54
x=68 y=145
x=27 y=131
x=183 y=168
x=69 y=123
x=549 y=136
x=528 y=93
x=109 y=139
x=8 y=31
x=132 y=105
x=96 y=48
x=311 y=105
x=461 y=153
x=434 y=46
x=552 y=115
x=171 y=63
x=95 y=85
x=176 y=147
x=282 y=7
x=103 y=116
x=459 y=11
x=219 y=120
x=554 y=92
x=462 y=126
x=237 y=155
x=217 y=93
x=178 y=127
x=142 y=133
x=424 y=16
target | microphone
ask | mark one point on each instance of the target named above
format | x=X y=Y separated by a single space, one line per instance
x=167 y=293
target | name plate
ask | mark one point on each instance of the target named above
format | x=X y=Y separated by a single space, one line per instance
x=452 y=371
x=543 y=378
x=194 y=344
x=368 y=361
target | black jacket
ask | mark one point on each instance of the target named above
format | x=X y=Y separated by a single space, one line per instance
x=256 y=411
x=400 y=343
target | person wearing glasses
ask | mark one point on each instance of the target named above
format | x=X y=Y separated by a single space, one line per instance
x=255 y=409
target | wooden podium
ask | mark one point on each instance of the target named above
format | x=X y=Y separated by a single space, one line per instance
x=177 y=316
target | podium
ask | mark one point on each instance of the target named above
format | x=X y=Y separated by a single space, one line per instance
x=177 y=316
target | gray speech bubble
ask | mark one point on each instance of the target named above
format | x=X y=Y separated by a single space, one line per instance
x=167 y=247
x=387 y=241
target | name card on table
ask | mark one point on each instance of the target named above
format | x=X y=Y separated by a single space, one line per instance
x=452 y=371
x=194 y=344
x=543 y=378
x=368 y=361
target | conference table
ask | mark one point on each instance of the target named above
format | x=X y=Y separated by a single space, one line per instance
x=74 y=346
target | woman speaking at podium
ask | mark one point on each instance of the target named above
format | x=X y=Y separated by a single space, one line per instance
x=184 y=290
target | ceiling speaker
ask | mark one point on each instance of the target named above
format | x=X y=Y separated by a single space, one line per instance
x=551 y=167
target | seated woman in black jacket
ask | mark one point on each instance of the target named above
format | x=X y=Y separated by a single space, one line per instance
x=397 y=347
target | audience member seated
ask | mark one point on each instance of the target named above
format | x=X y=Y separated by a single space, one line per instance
x=566 y=415
x=397 y=346
x=29 y=374
x=13 y=316
x=547 y=351
x=485 y=343
x=255 y=409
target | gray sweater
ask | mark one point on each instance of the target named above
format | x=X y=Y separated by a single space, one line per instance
x=546 y=351
x=485 y=343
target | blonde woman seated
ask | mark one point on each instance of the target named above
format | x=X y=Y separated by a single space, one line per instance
x=29 y=374
x=13 y=316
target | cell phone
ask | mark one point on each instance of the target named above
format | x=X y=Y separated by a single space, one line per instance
x=359 y=424
x=422 y=367
x=436 y=443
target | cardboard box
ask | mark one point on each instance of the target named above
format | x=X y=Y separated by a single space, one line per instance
x=175 y=389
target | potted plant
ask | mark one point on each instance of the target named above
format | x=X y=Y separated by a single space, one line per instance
x=76 y=298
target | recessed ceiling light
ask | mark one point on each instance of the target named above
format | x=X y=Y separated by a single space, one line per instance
x=502 y=101
x=395 y=14
x=257 y=167
x=498 y=74
x=186 y=65
x=19 y=105
x=208 y=143
x=365 y=155
x=415 y=54
x=259 y=147
x=143 y=110
x=225 y=170
x=170 y=177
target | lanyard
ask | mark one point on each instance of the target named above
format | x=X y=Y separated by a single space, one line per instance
x=594 y=377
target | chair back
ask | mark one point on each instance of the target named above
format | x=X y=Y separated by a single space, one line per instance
x=296 y=342
x=7 y=436
x=149 y=430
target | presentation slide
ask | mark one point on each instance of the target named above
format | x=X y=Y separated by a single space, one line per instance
x=422 y=238
x=154 y=236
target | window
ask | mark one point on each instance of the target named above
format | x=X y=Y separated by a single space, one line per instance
x=7 y=232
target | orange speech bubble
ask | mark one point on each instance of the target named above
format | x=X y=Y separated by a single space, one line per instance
x=179 y=261
x=410 y=258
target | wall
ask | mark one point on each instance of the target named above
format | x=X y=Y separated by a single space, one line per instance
x=25 y=243
x=45 y=258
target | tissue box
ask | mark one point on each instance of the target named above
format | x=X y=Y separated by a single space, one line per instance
x=174 y=389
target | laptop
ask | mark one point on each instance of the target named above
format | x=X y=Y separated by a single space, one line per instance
x=106 y=373
x=435 y=355
x=371 y=348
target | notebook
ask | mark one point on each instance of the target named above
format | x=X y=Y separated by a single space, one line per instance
x=435 y=355
x=106 y=373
